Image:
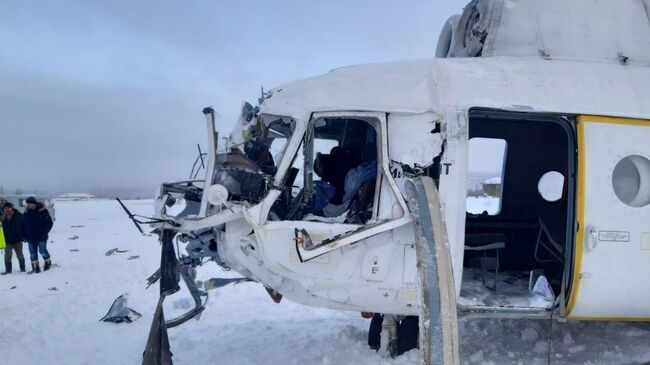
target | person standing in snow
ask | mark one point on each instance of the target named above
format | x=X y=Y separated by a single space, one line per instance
x=37 y=224
x=12 y=225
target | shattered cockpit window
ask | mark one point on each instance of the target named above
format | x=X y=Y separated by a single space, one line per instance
x=248 y=165
x=266 y=142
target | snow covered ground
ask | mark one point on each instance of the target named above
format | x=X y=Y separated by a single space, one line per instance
x=480 y=204
x=53 y=317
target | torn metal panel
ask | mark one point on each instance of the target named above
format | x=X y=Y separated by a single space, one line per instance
x=157 y=350
x=418 y=144
x=120 y=312
x=439 y=332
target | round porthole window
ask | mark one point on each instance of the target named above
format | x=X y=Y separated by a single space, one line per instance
x=631 y=181
x=551 y=185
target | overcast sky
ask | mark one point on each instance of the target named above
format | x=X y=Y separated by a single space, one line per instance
x=100 y=95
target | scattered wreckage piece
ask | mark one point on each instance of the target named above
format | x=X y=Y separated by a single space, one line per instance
x=119 y=312
x=157 y=351
x=153 y=278
x=114 y=250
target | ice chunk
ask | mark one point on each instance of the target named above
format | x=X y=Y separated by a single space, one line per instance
x=543 y=288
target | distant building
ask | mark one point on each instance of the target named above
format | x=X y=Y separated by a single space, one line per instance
x=75 y=197
x=492 y=186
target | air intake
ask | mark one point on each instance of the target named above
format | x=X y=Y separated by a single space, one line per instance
x=616 y=31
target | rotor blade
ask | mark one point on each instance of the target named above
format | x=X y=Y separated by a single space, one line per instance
x=157 y=351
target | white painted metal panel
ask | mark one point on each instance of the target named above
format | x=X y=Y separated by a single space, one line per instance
x=612 y=268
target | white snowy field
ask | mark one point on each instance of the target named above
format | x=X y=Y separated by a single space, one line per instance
x=478 y=205
x=241 y=325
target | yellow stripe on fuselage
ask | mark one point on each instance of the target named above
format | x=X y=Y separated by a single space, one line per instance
x=580 y=236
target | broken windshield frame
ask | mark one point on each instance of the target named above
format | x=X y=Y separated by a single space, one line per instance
x=263 y=140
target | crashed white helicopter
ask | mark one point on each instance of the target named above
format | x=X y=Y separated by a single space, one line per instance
x=350 y=190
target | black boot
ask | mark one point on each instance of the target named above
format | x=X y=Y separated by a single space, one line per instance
x=21 y=263
x=47 y=264
x=35 y=267
x=7 y=268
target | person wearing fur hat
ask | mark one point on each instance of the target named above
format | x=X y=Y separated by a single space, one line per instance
x=12 y=225
x=37 y=224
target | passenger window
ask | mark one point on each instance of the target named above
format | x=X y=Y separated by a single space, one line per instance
x=631 y=181
x=485 y=175
x=551 y=186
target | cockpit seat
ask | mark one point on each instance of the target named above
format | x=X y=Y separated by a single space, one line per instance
x=360 y=210
x=545 y=242
x=486 y=243
x=354 y=180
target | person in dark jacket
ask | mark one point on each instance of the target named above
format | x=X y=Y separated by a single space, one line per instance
x=12 y=225
x=37 y=224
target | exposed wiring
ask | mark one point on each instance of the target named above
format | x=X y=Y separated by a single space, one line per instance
x=149 y=220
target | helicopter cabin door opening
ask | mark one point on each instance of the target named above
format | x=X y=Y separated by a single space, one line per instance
x=519 y=215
